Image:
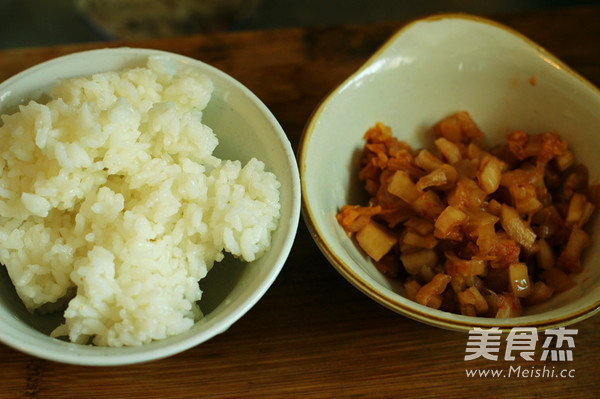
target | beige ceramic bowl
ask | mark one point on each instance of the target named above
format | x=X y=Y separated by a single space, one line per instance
x=245 y=128
x=428 y=70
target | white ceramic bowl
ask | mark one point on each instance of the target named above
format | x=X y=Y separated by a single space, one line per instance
x=428 y=70
x=245 y=128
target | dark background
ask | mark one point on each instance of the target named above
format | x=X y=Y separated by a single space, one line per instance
x=25 y=23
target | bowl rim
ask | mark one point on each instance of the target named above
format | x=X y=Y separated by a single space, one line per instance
x=219 y=324
x=437 y=318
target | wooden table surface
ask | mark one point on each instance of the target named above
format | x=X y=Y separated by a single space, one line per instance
x=313 y=334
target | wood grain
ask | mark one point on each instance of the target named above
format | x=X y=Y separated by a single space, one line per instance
x=313 y=334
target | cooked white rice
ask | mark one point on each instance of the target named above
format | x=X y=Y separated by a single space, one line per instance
x=110 y=190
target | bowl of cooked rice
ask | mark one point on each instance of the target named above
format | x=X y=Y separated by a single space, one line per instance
x=147 y=201
x=463 y=187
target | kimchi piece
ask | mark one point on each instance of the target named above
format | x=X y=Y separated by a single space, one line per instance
x=469 y=229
